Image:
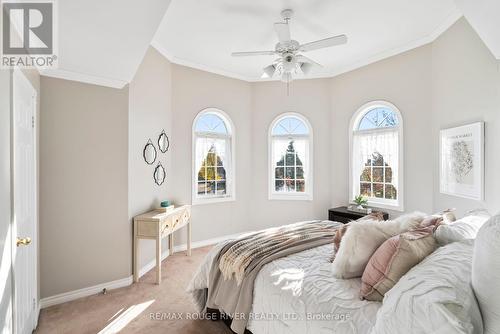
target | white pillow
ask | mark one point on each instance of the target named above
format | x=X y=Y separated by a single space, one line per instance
x=486 y=274
x=362 y=239
x=462 y=229
x=435 y=296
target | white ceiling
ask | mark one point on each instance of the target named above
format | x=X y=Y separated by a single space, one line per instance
x=103 y=42
x=202 y=34
x=484 y=16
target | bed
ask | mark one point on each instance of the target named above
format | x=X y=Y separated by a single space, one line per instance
x=297 y=294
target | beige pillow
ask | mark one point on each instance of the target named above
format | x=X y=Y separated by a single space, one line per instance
x=394 y=258
x=375 y=216
x=362 y=238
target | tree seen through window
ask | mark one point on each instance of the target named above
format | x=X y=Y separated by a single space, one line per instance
x=289 y=171
x=212 y=174
x=376 y=178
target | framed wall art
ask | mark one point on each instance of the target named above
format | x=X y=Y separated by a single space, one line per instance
x=462 y=161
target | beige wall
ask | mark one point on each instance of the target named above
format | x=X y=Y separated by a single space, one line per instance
x=329 y=105
x=84 y=227
x=403 y=80
x=150 y=112
x=193 y=91
x=311 y=98
x=92 y=139
x=466 y=88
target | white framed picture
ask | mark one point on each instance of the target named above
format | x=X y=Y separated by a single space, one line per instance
x=462 y=161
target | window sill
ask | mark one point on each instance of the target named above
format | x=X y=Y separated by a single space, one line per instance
x=385 y=206
x=212 y=200
x=290 y=197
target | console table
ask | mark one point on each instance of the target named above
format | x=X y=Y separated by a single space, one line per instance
x=159 y=224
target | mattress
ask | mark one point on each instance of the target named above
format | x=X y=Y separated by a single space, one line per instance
x=298 y=294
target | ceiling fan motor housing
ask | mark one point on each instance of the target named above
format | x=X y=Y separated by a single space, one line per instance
x=288 y=46
x=287 y=14
x=289 y=61
x=289 y=57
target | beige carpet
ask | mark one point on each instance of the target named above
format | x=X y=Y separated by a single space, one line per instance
x=131 y=307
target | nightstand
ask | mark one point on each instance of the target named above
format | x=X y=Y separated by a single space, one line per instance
x=342 y=215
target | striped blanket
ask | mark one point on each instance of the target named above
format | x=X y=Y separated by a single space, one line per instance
x=242 y=252
x=237 y=264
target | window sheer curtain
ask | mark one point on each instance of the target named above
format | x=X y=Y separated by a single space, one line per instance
x=223 y=151
x=280 y=146
x=385 y=142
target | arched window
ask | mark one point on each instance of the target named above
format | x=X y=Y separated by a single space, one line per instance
x=213 y=164
x=290 y=158
x=376 y=155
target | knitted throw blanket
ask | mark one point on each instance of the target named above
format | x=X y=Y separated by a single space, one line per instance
x=243 y=251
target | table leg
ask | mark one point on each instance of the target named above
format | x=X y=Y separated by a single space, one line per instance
x=189 y=239
x=171 y=243
x=158 y=260
x=136 y=247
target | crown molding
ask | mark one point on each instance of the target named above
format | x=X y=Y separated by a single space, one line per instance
x=183 y=62
x=438 y=31
x=85 y=78
x=450 y=20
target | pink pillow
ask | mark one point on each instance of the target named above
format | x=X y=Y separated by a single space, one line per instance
x=394 y=258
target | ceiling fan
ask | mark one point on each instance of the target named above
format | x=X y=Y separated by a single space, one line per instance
x=290 y=61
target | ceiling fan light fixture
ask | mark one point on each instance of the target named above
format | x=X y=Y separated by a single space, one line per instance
x=306 y=68
x=289 y=66
x=269 y=71
x=289 y=62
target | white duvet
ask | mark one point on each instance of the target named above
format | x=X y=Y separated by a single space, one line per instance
x=298 y=294
x=434 y=297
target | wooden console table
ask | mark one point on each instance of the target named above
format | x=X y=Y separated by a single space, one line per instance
x=159 y=224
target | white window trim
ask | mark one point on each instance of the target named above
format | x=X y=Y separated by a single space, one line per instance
x=308 y=194
x=230 y=182
x=356 y=118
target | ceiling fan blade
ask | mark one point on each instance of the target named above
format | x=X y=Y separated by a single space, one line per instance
x=283 y=31
x=304 y=59
x=324 y=43
x=253 y=53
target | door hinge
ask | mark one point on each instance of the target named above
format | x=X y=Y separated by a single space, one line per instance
x=33 y=122
x=34 y=304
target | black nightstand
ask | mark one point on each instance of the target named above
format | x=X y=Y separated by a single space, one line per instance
x=342 y=215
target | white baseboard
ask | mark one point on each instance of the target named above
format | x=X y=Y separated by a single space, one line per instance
x=152 y=264
x=80 y=293
x=92 y=290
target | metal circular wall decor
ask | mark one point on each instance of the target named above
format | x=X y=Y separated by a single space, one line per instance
x=163 y=142
x=159 y=174
x=149 y=153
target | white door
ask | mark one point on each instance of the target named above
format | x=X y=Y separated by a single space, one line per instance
x=24 y=188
